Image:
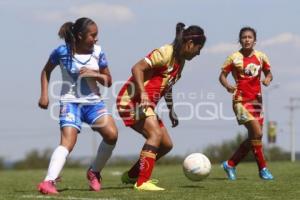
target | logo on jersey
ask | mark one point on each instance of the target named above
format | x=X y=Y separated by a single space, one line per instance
x=252 y=69
x=170 y=68
x=70 y=117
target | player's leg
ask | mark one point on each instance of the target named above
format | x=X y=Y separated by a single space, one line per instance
x=58 y=159
x=70 y=124
x=165 y=146
x=240 y=153
x=255 y=135
x=103 y=123
x=242 y=116
x=107 y=128
x=150 y=129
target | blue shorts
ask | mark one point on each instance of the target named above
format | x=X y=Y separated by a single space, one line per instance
x=73 y=114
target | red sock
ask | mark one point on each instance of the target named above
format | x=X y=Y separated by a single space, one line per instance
x=257 y=150
x=134 y=170
x=147 y=162
x=240 y=153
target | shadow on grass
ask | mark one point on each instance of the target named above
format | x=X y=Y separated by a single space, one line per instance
x=118 y=187
x=219 y=179
x=226 y=179
x=88 y=190
x=77 y=189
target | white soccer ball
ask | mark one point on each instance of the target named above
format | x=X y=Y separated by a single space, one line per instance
x=196 y=166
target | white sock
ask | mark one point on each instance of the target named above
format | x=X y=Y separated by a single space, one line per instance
x=57 y=162
x=103 y=154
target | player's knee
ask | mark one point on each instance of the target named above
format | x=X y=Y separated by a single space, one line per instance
x=112 y=136
x=258 y=136
x=68 y=146
x=168 y=146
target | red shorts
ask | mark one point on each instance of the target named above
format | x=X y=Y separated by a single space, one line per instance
x=247 y=111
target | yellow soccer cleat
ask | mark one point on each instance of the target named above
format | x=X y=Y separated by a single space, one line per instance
x=126 y=179
x=148 y=186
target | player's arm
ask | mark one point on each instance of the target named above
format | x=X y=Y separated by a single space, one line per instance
x=138 y=71
x=268 y=77
x=45 y=79
x=223 y=80
x=102 y=75
x=266 y=68
x=169 y=100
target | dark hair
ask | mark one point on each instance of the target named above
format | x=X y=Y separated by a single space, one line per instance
x=194 y=33
x=70 y=31
x=247 y=28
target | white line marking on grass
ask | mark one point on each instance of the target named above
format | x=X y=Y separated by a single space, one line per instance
x=57 y=197
x=116 y=173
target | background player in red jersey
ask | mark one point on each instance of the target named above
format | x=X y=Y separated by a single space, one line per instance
x=246 y=66
x=153 y=78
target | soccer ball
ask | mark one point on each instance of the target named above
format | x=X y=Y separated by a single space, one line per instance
x=196 y=166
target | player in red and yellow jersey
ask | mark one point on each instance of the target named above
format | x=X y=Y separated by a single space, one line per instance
x=153 y=78
x=246 y=67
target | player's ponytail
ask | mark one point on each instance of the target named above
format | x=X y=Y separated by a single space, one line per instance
x=177 y=43
x=66 y=32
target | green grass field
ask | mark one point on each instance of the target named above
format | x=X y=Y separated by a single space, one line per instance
x=22 y=184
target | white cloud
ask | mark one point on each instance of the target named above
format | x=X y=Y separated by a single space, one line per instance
x=100 y=12
x=281 y=39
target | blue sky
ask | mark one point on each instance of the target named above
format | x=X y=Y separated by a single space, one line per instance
x=128 y=31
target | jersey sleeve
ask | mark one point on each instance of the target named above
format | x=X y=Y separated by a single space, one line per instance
x=58 y=54
x=228 y=65
x=54 y=56
x=265 y=62
x=159 y=57
x=102 y=60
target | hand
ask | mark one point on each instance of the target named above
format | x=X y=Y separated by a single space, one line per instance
x=44 y=102
x=266 y=82
x=230 y=89
x=173 y=118
x=145 y=102
x=85 y=72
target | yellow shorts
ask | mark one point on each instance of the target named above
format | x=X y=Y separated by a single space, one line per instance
x=135 y=114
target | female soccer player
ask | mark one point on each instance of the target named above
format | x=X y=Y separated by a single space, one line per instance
x=83 y=64
x=246 y=66
x=153 y=78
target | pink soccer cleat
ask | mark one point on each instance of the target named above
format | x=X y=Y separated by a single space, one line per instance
x=94 y=179
x=47 y=187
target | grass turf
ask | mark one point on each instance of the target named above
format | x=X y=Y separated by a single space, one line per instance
x=21 y=184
